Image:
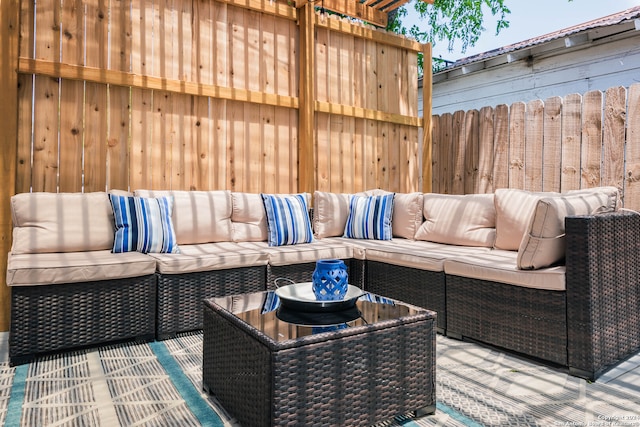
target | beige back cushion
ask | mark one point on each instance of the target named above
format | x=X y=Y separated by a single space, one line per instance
x=248 y=217
x=513 y=211
x=331 y=210
x=198 y=216
x=467 y=220
x=543 y=243
x=330 y=213
x=61 y=222
x=407 y=214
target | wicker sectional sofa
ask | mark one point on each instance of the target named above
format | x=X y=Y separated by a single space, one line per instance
x=551 y=276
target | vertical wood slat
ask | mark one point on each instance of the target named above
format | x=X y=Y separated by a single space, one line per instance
x=71 y=99
x=484 y=163
x=472 y=150
x=632 y=154
x=501 y=147
x=444 y=153
x=458 y=153
x=517 y=145
x=552 y=151
x=435 y=155
x=534 y=141
x=591 y=139
x=46 y=99
x=615 y=109
x=571 y=142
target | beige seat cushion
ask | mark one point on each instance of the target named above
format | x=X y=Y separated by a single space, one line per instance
x=416 y=254
x=303 y=252
x=500 y=266
x=209 y=256
x=72 y=267
x=467 y=220
x=543 y=244
x=198 y=216
x=61 y=222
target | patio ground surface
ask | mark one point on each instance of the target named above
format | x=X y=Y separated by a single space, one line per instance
x=476 y=386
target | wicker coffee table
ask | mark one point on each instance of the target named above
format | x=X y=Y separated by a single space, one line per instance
x=270 y=366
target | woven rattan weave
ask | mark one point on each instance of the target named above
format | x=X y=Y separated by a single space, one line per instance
x=57 y=317
x=354 y=376
x=180 y=296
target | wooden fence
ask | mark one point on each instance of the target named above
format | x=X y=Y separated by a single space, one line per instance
x=245 y=95
x=559 y=144
x=198 y=94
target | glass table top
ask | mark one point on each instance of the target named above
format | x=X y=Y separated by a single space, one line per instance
x=264 y=311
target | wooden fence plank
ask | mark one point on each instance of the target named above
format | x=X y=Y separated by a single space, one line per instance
x=71 y=136
x=591 y=158
x=445 y=153
x=632 y=172
x=46 y=100
x=552 y=153
x=24 y=144
x=269 y=149
x=71 y=99
x=517 y=145
x=534 y=140
x=218 y=154
x=484 y=164
x=472 y=136
x=458 y=147
x=435 y=153
x=141 y=139
x=615 y=110
x=501 y=147
x=571 y=142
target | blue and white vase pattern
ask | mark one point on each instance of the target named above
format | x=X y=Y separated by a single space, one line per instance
x=330 y=280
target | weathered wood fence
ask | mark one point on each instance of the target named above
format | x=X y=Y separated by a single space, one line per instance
x=559 y=144
x=245 y=95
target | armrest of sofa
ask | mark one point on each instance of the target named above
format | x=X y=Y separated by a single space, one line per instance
x=603 y=290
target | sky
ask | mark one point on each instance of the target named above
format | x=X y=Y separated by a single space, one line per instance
x=530 y=18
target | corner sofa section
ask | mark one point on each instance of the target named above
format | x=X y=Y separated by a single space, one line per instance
x=551 y=276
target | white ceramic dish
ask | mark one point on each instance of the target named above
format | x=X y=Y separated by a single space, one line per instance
x=300 y=296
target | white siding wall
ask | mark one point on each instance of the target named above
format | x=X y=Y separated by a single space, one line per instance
x=556 y=72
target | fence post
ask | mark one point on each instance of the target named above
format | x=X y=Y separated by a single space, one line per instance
x=306 y=130
x=9 y=18
x=427 y=125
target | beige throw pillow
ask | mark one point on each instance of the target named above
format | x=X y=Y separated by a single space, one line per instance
x=513 y=211
x=543 y=244
x=467 y=220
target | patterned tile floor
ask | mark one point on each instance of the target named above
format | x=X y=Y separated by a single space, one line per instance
x=476 y=386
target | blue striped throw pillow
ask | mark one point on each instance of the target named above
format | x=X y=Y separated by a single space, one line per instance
x=370 y=217
x=287 y=219
x=143 y=224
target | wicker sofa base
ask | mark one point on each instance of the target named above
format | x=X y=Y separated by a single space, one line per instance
x=423 y=288
x=524 y=320
x=51 y=318
x=180 y=296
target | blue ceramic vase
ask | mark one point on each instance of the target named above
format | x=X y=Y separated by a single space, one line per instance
x=330 y=280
